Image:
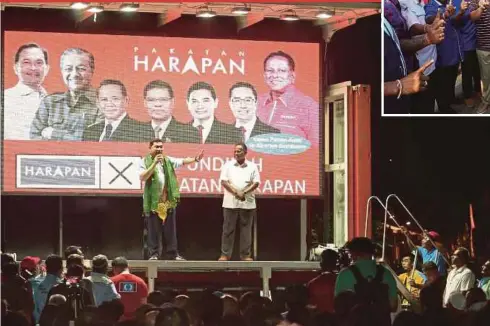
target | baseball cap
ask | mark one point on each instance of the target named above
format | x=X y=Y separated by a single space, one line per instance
x=434 y=235
x=29 y=263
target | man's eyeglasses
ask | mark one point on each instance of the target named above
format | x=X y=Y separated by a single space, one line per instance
x=279 y=72
x=247 y=101
x=158 y=99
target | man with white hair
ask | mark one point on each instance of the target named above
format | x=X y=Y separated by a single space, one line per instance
x=64 y=116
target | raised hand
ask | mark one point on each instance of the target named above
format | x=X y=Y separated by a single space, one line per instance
x=435 y=31
x=416 y=81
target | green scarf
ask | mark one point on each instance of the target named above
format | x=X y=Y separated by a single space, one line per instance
x=156 y=193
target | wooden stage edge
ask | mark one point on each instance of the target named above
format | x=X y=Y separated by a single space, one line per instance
x=151 y=268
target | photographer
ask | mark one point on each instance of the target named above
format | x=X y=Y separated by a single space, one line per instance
x=76 y=289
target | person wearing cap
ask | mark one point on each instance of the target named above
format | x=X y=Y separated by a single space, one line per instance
x=460 y=278
x=431 y=253
x=30 y=269
x=54 y=269
x=133 y=289
x=102 y=286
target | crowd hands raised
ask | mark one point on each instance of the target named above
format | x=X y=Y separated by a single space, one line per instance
x=422 y=36
x=363 y=293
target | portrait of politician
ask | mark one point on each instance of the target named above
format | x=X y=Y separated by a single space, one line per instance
x=22 y=101
x=113 y=101
x=159 y=100
x=284 y=106
x=243 y=104
x=202 y=103
x=65 y=116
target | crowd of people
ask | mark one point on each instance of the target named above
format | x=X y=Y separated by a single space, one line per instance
x=427 y=44
x=362 y=293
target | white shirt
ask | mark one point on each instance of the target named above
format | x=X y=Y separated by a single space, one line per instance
x=458 y=280
x=239 y=177
x=114 y=124
x=249 y=126
x=176 y=162
x=414 y=13
x=163 y=127
x=206 y=127
x=20 y=106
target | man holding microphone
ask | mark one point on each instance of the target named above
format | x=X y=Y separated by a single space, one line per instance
x=161 y=197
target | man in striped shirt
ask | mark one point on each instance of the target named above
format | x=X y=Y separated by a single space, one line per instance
x=480 y=14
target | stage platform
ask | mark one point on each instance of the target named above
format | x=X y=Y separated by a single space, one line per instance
x=152 y=268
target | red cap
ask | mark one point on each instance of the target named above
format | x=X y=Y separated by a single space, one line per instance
x=30 y=263
x=434 y=235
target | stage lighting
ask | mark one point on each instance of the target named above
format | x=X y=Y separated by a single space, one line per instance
x=241 y=11
x=324 y=14
x=205 y=12
x=289 y=15
x=95 y=9
x=79 y=5
x=129 y=7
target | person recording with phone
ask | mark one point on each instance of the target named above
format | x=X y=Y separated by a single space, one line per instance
x=160 y=198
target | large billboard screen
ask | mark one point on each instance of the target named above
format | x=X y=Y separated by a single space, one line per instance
x=80 y=109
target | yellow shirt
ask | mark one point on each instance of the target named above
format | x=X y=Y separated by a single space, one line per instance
x=419 y=279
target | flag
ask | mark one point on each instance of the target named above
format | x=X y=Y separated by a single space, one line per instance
x=472 y=227
x=472 y=220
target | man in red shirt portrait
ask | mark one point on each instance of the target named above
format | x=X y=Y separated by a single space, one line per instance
x=133 y=289
x=285 y=107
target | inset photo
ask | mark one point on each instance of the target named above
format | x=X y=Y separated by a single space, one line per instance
x=436 y=57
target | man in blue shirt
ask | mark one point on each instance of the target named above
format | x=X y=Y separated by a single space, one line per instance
x=449 y=52
x=102 y=286
x=54 y=269
x=431 y=253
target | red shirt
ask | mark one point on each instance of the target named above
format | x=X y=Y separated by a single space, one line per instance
x=321 y=292
x=292 y=112
x=132 y=290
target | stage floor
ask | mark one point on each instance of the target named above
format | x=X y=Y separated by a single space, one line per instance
x=152 y=268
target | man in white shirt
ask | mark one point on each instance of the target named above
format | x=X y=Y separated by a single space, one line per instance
x=243 y=104
x=202 y=103
x=159 y=100
x=22 y=101
x=460 y=278
x=239 y=178
x=113 y=100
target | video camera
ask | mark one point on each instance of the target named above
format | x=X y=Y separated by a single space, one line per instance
x=343 y=260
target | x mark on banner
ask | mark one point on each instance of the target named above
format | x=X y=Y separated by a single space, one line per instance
x=120 y=173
